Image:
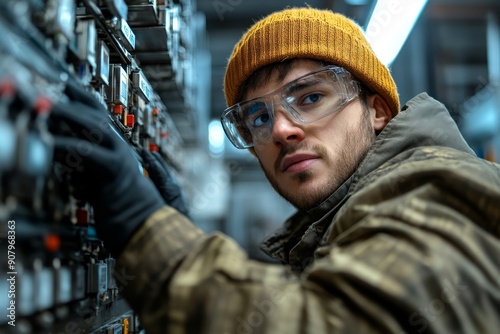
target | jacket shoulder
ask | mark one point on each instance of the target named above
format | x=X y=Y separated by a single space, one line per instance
x=460 y=184
x=428 y=163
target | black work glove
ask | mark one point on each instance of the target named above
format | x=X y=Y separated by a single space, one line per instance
x=164 y=181
x=102 y=167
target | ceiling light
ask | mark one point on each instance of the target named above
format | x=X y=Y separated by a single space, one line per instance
x=357 y=2
x=390 y=24
x=216 y=138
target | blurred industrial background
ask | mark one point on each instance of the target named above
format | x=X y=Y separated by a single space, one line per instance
x=158 y=66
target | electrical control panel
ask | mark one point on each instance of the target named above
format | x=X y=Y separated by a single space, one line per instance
x=56 y=275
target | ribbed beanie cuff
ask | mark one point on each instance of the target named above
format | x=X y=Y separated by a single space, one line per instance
x=313 y=34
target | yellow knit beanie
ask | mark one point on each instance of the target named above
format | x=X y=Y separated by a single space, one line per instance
x=308 y=33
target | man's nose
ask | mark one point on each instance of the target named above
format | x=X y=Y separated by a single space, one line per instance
x=285 y=129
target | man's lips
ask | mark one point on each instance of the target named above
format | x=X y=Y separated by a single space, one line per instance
x=297 y=162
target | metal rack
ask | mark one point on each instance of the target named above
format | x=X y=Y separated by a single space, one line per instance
x=135 y=57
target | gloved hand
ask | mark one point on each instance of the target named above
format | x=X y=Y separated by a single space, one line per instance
x=164 y=181
x=102 y=167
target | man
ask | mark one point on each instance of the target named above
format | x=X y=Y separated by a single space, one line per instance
x=397 y=228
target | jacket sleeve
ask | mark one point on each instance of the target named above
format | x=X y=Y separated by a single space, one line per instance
x=412 y=262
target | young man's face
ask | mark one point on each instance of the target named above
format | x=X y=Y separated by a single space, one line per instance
x=306 y=163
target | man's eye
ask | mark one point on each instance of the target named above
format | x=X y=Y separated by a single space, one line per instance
x=257 y=114
x=311 y=98
x=260 y=120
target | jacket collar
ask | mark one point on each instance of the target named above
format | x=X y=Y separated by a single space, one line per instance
x=423 y=121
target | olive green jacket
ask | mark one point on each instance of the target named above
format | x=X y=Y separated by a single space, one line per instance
x=409 y=244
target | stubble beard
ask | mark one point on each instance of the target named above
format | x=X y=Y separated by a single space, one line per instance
x=357 y=142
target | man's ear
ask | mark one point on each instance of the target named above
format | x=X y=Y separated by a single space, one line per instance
x=380 y=112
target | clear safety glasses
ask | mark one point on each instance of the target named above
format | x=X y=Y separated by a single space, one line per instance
x=306 y=100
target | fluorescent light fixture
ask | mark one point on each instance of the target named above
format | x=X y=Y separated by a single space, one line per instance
x=493 y=48
x=357 y=2
x=390 y=24
x=216 y=138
